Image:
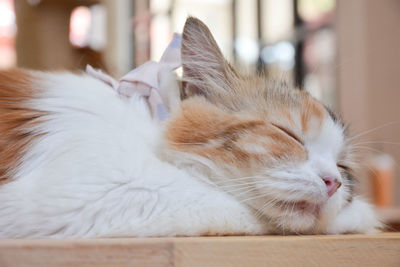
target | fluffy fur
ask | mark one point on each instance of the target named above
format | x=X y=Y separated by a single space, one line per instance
x=239 y=155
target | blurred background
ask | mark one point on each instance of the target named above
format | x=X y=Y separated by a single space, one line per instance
x=344 y=52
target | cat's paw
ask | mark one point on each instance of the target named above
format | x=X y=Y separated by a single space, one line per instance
x=357 y=217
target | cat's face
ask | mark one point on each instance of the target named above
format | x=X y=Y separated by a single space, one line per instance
x=274 y=147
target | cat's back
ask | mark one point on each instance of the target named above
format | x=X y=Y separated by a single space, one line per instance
x=67 y=140
x=66 y=112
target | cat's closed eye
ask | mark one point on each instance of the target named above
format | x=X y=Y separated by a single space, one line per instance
x=289 y=133
x=344 y=167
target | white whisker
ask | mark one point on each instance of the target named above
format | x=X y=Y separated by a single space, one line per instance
x=372 y=130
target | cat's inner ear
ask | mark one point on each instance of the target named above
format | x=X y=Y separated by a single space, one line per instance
x=205 y=70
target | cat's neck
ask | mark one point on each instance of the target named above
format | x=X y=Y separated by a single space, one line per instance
x=196 y=167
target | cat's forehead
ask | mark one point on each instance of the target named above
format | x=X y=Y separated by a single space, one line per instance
x=294 y=108
x=303 y=115
x=276 y=100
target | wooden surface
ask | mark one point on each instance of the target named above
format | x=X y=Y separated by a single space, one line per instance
x=346 y=250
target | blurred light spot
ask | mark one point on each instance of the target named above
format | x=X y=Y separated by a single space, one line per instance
x=282 y=54
x=247 y=49
x=80 y=26
x=311 y=10
x=7 y=17
x=8 y=30
x=98 y=28
x=88 y=27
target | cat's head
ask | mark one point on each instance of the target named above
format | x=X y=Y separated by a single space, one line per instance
x=272 y=146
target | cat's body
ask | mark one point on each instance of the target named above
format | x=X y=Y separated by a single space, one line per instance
x=79 y=160
x=96 y=173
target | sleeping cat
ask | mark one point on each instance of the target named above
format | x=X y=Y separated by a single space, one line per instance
x=239 y=155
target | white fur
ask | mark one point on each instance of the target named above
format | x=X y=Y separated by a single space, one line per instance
x=98 y=172
x=95 y=173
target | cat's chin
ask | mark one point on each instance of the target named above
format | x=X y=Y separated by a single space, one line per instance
x=301 y=207
x=296 y=217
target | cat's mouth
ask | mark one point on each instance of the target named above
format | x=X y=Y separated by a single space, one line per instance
x=299 y=206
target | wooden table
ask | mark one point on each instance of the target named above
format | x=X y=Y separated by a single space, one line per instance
x=345 y=250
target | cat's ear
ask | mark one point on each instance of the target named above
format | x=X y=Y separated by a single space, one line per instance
x=205 y=70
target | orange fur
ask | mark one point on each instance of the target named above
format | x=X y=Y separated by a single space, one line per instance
x=202 y=129
x=313 y=111
x=16 y=119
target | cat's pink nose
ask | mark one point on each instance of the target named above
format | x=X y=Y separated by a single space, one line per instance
x=332 y=185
